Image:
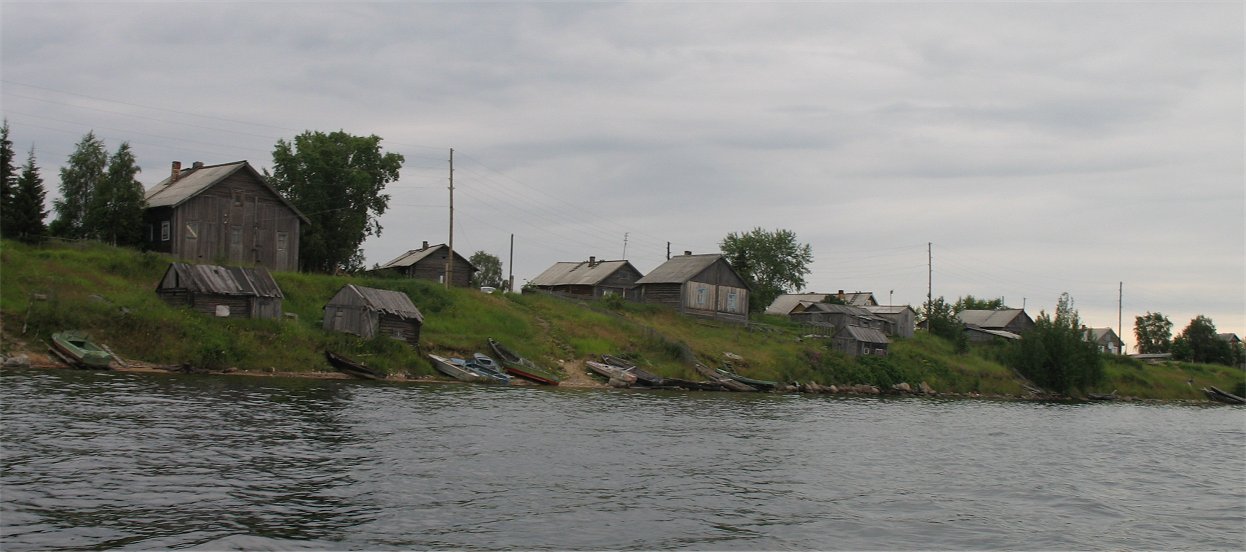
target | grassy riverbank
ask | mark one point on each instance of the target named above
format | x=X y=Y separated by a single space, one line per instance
x=110 y=292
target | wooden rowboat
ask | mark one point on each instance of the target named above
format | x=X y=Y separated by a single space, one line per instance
x=352 y=368
x=763 y=385
x=457 y=368
x=717 y=377
x=643 y=377
x=1216 y=394
x=610 y=372
x=77 y=350
x=522 y=367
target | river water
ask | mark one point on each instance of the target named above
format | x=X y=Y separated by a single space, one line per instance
x=133 y=461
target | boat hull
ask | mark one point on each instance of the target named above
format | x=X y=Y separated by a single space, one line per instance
x=79 y=351
x=522 y=367
x=457 y=370
x=351 y=367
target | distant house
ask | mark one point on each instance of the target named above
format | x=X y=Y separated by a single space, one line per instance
x=1011 y=321
x=222 y=213
x=590 y=278
x=1105 y=339
x=784 y=303
x=232 y=292
x=697 y=285
x=858 y=341
x=369 y=312
x=833 y=315
x=429 y=263
x=857 y=298
x=902 y=318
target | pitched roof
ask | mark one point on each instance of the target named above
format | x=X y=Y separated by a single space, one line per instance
x=784 y=303
x=221 y=280
x=195 y=180
x=416 y=255
x=989 y=318
x=679 y=269
x=840 y=309
x=858 y=298
x=581 y=273
x=866 y=335
x=1100 y=334
x=889 y=309
x=386 y=301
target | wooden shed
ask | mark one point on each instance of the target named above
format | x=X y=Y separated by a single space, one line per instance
x=233 y=292
x=697 y=285
x=429 y=263
x=590 y=278
x=838 y=316
x=902 y=318
x=858 y=341
x=369 y=312
x=1014 y=321
x=222 y=212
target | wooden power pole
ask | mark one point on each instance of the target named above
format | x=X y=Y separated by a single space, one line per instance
x=450 y=254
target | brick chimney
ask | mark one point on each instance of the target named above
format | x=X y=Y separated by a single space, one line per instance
x=423 y=247
x=175 y=172
x=687 y=252
x=197 y=165
x=592 y=261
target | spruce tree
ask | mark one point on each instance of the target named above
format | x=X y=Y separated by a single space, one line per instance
x=8 y=179
x=28 y=213
x=79 y=178
x=115 y=212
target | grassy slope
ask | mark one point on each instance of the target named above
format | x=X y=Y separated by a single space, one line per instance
x=110 y=292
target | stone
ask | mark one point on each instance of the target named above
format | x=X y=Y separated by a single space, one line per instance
x=903 y=387
x=18 y=361
x=925 y=388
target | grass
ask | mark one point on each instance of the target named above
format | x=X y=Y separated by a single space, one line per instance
x=110 y=292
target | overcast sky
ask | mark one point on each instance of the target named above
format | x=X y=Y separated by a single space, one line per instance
x=1040 y=147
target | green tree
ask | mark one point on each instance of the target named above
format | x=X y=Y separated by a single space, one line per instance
x=337 y=180
x=941 y=320
x=970 y=302
x=1055 y=355
x=489 y=270
x=115 y=213
x=1198 y=343
x=1153 y=333
x=8 y=182
x=772 y=263
x=25 y=219
x=80 y=177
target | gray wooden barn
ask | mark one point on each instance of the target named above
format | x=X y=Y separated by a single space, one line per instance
x=838 y=316
x=226 y=213
x=590 y=278
x=233 y=292
x=1009 y=321
x=429 y=263
x=858 y=341
x=697 y=285
x=902 y=318
x=369 y=312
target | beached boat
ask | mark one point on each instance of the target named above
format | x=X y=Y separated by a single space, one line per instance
x=486 y=366
x=610 y=372
x=522 y=367
x=1102 y=396
x=721 y=379
x=77 y=350
x=676 y=383
x=351 y=367
x=763 y=385
x=458 y=369
x=1216 y=394
x=643 y=377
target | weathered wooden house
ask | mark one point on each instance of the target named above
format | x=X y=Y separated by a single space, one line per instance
x=1105 y=339
x=858 y=341
x=222 y=213
x=697 y=285
x=588 y=279
x=902 y=318
x=233 y=292
x=833 y=315
x=369 y=312
x=429 y=263
x=785 y=303
x=1011 y=321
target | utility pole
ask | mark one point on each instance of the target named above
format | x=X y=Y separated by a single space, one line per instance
x=929 y=281
x=1120 y=309
x=510 y=278
x=668 y=251
x=450 y=256
x=624 y=257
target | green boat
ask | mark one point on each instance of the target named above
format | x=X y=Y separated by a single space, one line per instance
x=77 y=350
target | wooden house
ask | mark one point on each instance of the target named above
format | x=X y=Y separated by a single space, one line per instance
x=222 y=213
x=697 y=285
x=588 y=279
x=1011 y=321
x=429 y=263
x=833 y=315
x=901 y=318
x=233 y=292
x=858 y=341
x=369 y=312
x=785 y=303
x=1105 y=339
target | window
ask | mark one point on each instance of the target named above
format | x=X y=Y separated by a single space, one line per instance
x=732 y=301
x=237 y=197
x=164 y=231
x=701 y=295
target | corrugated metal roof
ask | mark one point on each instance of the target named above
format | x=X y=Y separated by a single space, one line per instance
x=889 y=309
x=996 y=333
x=578 y=274
x=840 y=309
x=221 y=280
x=193 y=181
x=679 y=269
x=387 y=301
x=989 y=318
x=784 y=304
x=416 y=255
x=867 y=335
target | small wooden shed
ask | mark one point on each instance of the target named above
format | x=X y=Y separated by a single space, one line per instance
x=858 y=341
x=233 y=292
x=369 y=312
